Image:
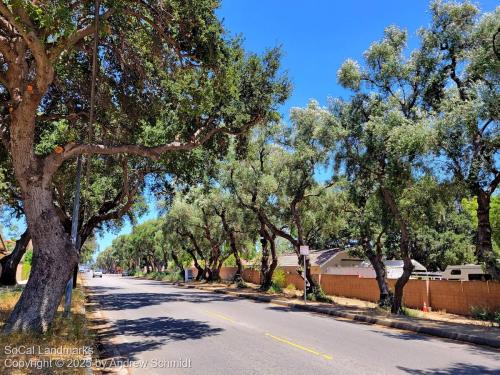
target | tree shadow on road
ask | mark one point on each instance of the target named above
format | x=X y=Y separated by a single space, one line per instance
x=166 y=328
x=455 y=369
x=151 y=334
x=125 y=301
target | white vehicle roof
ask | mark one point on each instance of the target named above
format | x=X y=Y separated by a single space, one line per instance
x=462 y=266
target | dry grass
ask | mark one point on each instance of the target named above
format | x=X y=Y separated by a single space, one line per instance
x=69 y=334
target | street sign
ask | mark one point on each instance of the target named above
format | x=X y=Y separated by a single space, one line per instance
x=304 y=250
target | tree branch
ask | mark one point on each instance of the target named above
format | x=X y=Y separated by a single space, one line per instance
x=31 y=39
x=73 y=39
x=53 y=161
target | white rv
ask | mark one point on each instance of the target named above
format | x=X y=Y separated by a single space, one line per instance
x=465 y=272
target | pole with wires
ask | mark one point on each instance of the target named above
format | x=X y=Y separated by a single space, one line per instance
x=79 y=167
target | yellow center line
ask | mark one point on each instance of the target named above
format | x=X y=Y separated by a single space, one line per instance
x=288 y=342
x=220 y=316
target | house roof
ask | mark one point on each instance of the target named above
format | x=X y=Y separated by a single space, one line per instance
x=316 y=258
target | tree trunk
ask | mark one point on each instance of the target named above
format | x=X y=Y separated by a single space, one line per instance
x=404 y=247
x=267 y=269
x=264 y=265
x=385 y=299
x=10 y=262
x=313 y=288
x=54 y=258
x=75 y=276
x=397 y=303
x=201 y=271
x=238 y=276
x=484 y=246
x=178 y=264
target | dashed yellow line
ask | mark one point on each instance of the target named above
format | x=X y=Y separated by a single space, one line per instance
x=221 y=316
x=288 y=342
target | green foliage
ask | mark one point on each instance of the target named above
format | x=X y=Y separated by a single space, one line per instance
x=470 y=206
x=25 y=272
x=28 y=257
x=412 y=313
x=482 y=313
x=279 y=279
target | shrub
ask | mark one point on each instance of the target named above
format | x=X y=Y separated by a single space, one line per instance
x=483 y=313
x=172 y=277
x=275 y=288
x=412 y=313
x=291 y=287
x=136 y=273
x=279 y=278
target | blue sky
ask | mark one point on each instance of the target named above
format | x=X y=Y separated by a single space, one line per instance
x=316 y=37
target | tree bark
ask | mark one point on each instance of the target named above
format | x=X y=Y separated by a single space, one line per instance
x=484 y=246
x=10 y=262
x=313 y=288
x=378 y=265
x=201 y=271
x=238 y=276
x=177 y=262
x=54 y=259
x=267 y=269
x=405 y=250
x=397 y=303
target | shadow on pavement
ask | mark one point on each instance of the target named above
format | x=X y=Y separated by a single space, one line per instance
x=124 y=301
x=151 y=334
x=455 y=369
x=166 y=328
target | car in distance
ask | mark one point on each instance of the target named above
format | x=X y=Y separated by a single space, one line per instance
x=125 y=273
x=97 y=273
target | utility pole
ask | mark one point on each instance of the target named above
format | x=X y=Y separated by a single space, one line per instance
x=304 y=251
x=76 y=203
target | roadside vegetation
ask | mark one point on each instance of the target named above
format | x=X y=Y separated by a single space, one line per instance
x=484 y=314
x=405 y=166
x=67 y=333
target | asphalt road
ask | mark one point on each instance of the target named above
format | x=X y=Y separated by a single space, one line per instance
x=153 y=323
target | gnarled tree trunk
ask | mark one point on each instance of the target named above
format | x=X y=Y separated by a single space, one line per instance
x=238 y=276
x=378 y=265
x=177 y=263
x=267 y=270
x=484 y=246
x=312 y=288
x=54 y=259
x=397 y=303
x=10 y=262
x=405 y=250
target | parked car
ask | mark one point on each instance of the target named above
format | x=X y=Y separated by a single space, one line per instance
x=125 y=273
x=466 y=272
x=97 y=273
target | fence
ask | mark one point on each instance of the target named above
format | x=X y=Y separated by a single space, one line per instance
x=455 y=297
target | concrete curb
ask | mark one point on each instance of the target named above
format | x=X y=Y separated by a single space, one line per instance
x=432 y=331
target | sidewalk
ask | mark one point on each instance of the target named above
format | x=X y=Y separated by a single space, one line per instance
x=473 y=333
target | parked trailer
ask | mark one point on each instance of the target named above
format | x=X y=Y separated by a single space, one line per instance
x=466 y=272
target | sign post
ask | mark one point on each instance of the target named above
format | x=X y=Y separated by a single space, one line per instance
x=304 y=250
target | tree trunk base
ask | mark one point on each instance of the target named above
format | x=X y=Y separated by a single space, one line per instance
x=42 y=295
